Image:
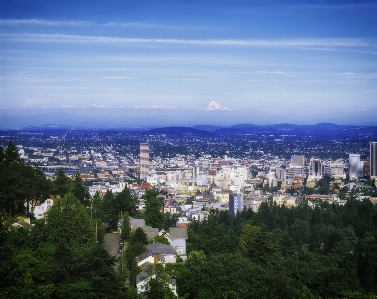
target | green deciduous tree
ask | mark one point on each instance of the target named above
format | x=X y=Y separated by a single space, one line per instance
x=254 y=244
x=69 y=224
x=158 y=284
x=153 y=215
x=125 y=202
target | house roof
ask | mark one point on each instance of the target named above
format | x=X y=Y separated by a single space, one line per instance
x=161 y=248
x=135 y=223
x=151 y=232
x=141 y=277
x=178 y=232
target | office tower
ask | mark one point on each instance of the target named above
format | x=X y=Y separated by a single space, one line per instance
x=281 y=173
x=373 y=159
x=235 y=203
x=316 y=168
x=355 y=166
x=195 y=170
x=144 y=160
x=296 y=168
x=336 y=169
x=201 y=179
x=294 y=171
x=297 y=161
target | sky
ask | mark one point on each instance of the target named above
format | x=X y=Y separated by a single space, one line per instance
x=123 y=63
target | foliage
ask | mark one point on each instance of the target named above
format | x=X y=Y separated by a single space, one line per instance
x=21 y=185
x=170 y=220
x=69 y=224
x=62 y=183
x=139 y=236
x=324 y=252
x=113 y=206
x=158 y=284
x=58 y=258
x=79 y=191
x=160 y=239
x=153 y=215
x=126 y=227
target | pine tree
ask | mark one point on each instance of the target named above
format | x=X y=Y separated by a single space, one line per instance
x=62 y=183
x=11 y=154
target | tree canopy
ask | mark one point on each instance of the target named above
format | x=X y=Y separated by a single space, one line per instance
x=21 y=185
x=153 y=215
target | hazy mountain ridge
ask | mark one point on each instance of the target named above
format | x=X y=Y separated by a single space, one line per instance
x=321 y=129
x=180 y=131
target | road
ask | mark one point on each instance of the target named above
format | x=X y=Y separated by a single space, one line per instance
x=112 y=243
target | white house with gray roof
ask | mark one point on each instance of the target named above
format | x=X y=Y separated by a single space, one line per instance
x=177 y=237
x=157 y=253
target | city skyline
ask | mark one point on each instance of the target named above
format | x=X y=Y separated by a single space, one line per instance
x=144 y=63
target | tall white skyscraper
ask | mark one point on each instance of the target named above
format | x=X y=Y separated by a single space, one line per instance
x=373 y=159
x=355 y=166
x=297 y=161
x=144 y=160
x=296 y=168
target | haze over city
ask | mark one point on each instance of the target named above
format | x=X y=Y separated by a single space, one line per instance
x=153 y=63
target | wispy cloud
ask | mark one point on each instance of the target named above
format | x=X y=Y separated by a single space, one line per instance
x=100 y=106
x=39 y=22
x=183 y=79
x=119 y=78
x=150 y=107
x=80 y=39
x=141 y=25
x=352 y=75
x=155 y=26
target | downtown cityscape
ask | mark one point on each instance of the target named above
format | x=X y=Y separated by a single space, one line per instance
x=169 y=180
x=188 y=149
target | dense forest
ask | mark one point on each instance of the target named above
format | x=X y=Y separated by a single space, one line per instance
x=329 y=251
x=326 y=252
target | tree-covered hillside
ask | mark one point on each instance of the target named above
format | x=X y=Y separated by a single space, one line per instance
x=326 y=252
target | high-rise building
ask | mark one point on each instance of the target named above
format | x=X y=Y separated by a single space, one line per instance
x=336 y=169
x=316 y=169
x=281 y=173
x=195 y=170
x=373 y=159
x=235 y=203
x=355 y=166
x=294 y=171
x=144 y=160
x=296 y=168
x=297 y=161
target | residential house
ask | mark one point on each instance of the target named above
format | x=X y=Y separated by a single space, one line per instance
x=177 y=237
x=157 y=253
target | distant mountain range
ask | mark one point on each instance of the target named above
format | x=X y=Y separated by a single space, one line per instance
x=181 y=131
x=321 y=129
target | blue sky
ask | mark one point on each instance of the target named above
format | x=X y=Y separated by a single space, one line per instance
x=132 y=63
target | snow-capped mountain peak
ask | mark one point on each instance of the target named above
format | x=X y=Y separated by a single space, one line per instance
x=215 y=106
